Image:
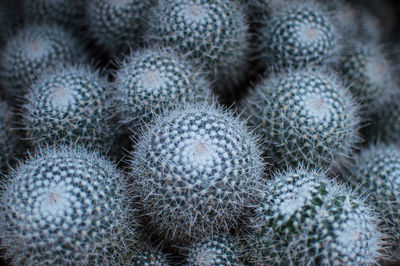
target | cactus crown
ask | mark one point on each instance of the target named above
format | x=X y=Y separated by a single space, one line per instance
x=69 y=105
x=196 y=168
x=34 y=50
x=153 y=80
x=66 y=206
x=305 y=116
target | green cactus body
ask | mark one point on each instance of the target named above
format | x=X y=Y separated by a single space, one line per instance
x=64 y=12
x=117 y=25
x=66 y=206
x=9 y=142
x=376 y=170
x=304 y=116
x=298 y=35
x=370 y=74
x=153 y=80
x=195 y=169
x=218 y=251
x=34 y=50
x=70 y=105
x=212 y=33
x=306 y=219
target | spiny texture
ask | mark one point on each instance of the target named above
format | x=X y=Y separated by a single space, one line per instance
x=9 y=142
x=64 y=12
x=366 y=68
x=304 y=116
x=297 y=35
x=153 y=80
x=66 y=206
x=306 y=219
x=149 y=256
x=70 y=105
x=195 y=169
x=213 y=33
x=34 y=50
x=220 y=250
x=117 y=25
x=387 y=124
x=377 y=172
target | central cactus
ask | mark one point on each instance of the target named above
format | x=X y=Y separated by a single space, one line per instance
x=195 y=169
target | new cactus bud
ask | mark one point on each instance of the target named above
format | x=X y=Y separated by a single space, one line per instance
x=66 y=206
x=153 y=80
x=33 y=51
x=212 y=33
x=304 y=116
x=195 y=169
x=70 y=105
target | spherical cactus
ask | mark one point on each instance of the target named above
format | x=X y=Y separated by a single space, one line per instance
x=66 y=206
x=304 y=116
x=153 y=80
x=212 y=33
x=220 y=250
x=366 y=68
x=307 y=219
x=297 y=35
x=117 y=25
x=376 y=171
x=64 y=12
x=34 y=50
x=70 y=105
x=9 y=141
x=149 y=256
x=195 y=169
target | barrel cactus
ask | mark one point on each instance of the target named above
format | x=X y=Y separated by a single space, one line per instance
x=66 y=206
x=70 y=105
x=150 y=81
x=307 y=219
x=304 y=116
x=212 y=33
x=34 y=50
x=195 y=169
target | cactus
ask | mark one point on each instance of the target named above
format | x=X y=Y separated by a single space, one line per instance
x=220 y=250
x=64 y=12
x=307 y=219
x=117 y=25
x=376 y=171
x=152 y=80
x=212 y=33
x=148 y=255
x=304 y=116
x=34 y=50
x=70 y=105
x=299 y=34
x=366 y=68
x=66 y=206
x=195 y=168
x=386 y=125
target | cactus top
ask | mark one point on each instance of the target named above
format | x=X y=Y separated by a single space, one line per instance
x=305 y=116
x=34 y=50
x=65 y=206
x=153 y=80
x=297 y=35
x=196 y=169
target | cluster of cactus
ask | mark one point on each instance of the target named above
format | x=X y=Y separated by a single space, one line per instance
x=233 y=123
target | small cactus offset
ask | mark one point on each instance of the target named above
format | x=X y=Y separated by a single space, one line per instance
x=298 y=34
x=307 y=219
x=212 y=33
x=153 y=80
x=117 y=25
x=34 y=50
x=366 y=68
x=70 y=105
x=66 y=206
x=305 y=117
x=376 y=171
x=196 y=169
x=219 y=251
